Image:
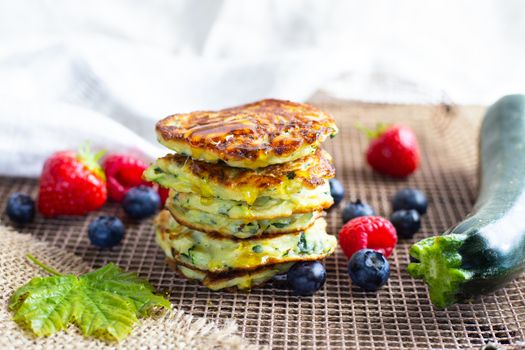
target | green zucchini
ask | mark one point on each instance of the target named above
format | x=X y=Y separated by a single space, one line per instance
x=487 y=249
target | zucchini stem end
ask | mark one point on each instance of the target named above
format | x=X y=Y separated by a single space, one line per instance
x=439 y=265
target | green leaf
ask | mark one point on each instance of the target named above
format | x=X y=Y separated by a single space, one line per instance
x=103 y=314
x=104 y=303
x=110 y=278
x=45 y=304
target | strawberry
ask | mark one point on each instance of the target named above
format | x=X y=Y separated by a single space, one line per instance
x=72 y=183
x=373 y=232
x=123 y=172
x=393 y=151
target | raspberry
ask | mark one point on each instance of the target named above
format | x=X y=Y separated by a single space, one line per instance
x=122 y=173
x=373 y=232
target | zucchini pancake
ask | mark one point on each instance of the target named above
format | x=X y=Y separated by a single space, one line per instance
x=251 y=136
x=235 y=279
x=247 y=188
x=184 y=174
x=240 y=228
x=218 y=254
x=264 y=208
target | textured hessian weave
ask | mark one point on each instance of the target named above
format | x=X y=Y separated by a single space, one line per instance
x=340 y=316
x=174 y=329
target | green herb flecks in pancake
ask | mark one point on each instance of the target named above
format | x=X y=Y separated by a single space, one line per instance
x=221 y=224
x=209 y=253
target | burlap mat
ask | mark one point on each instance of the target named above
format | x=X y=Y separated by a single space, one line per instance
x=339 y=316
x=173 y=330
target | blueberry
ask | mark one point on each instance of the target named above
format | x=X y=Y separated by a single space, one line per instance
x=410 y=198
x=368 y=269
x=280 y=281
x=356 y=209
x=406 y=222
x=106 y=231
x=141 y=202
x=337 y=191
x=20 y=208
x=306 y=277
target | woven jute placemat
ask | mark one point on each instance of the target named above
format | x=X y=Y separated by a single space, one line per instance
x=340 y=316
x=172 y=330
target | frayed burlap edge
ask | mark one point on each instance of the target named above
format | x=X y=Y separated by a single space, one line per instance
x=173 y=330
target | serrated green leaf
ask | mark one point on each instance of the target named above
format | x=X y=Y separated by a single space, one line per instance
x=104 y=303
x=127 y=284
x=103 y=314
x=45 y=304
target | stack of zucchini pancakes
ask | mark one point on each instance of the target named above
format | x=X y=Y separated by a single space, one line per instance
x=248 y=186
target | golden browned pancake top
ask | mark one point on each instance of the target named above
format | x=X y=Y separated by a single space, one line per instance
x=268 y=128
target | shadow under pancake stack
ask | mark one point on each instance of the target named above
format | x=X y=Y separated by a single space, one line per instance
x=248 y=186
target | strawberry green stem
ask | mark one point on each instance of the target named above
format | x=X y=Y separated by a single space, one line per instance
x=43 y=266
x=372 y=133
x=91 y=160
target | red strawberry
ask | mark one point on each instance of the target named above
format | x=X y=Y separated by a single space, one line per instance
x=373 y=232
x=394 y=151
x=123 y=172
x=72 y=184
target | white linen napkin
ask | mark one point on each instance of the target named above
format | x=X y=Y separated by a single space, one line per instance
x=106 y=71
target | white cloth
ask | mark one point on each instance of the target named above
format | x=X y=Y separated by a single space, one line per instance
x=105 y=71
